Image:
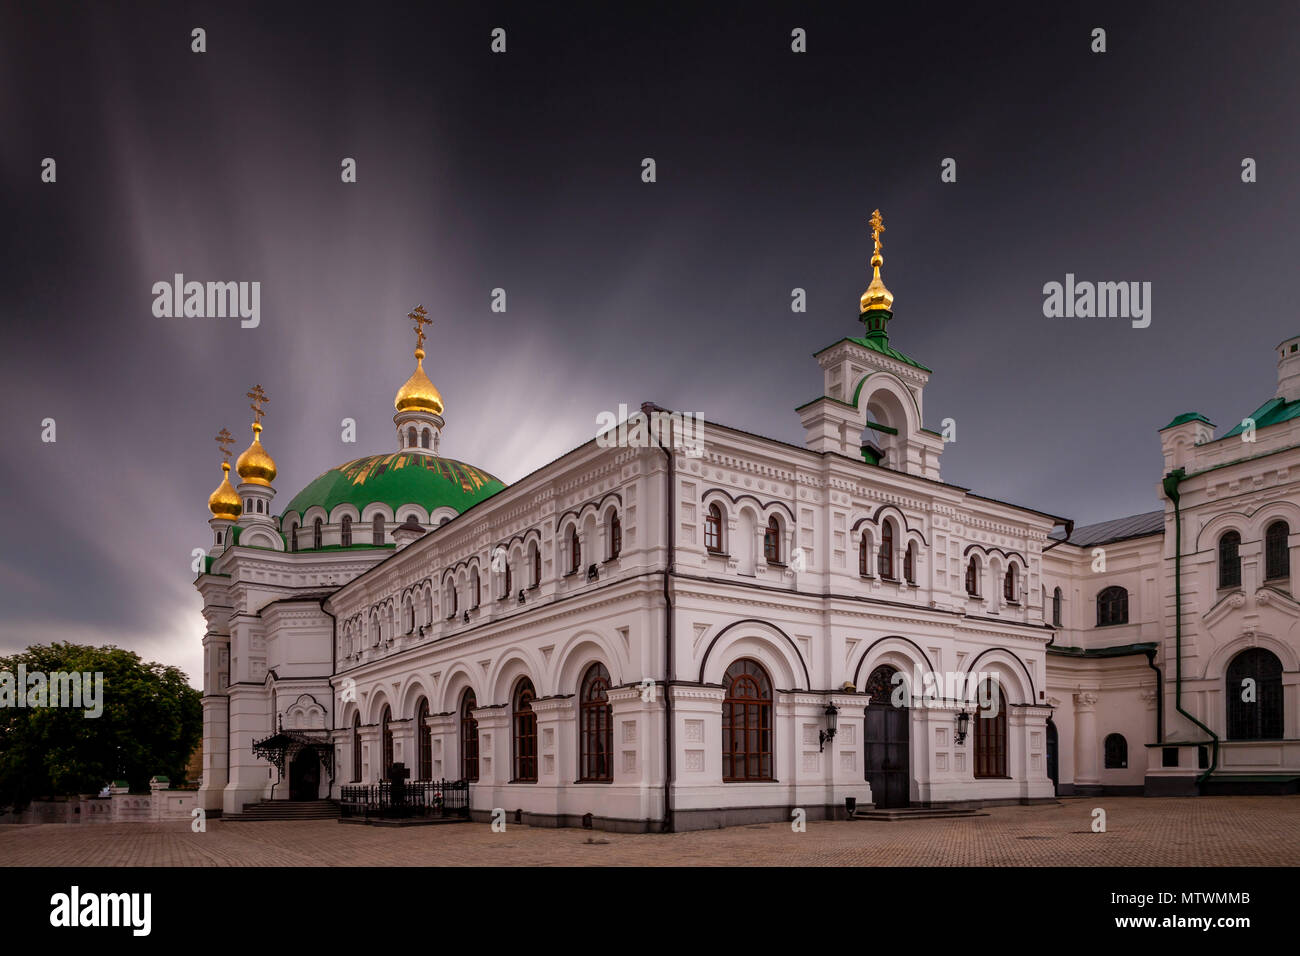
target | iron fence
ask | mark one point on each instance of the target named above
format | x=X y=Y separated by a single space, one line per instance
x=420 y=798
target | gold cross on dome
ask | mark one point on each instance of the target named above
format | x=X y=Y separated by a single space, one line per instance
x=877 y=227
x=225 y=440
x=420 y=317
x=259 y=399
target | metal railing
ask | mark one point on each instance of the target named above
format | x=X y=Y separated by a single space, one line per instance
x=420 y=798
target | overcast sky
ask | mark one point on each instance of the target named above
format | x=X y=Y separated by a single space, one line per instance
x=522 y=171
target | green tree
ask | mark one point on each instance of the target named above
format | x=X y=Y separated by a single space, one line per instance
x=152 y=720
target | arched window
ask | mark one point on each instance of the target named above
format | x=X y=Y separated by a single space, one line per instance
x=408 y=618
x=506 y=586
x=909 y=563
x=991 y=732
x=881 y=686
x=1277 y=557
x=1230 y=560
x=356 y=748
x=449 y=596
x=428 y=605
x=772 y=541
x=377 y=530
x=864 y=556
x=886 y=558
x=410 y=437
x=746 y=723
x=615 y=535
x=1112 y=606
x=424 y=752
x=386 y=735
x=445 y=519
x=424 y=438
x=537 y=564
x=1056 y=608
x=1115 y=748
x=973 y=577
x=475 y=589
x=468 y=737
x=293 y=537
x=345 y=531
x=1253 y=688
x=713 y=529
x=595 y=728
x=575 y=551
x=525 y=732
x=1009 y=584
x=316 y=528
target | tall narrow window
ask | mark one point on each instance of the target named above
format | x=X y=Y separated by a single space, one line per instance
x=506 y=584
x=386 y=736
x=1112 y=606
x=575 y=551
x=713 y=529
x=909 y=563
x=424 y=762
x=356 y=748
x=525 y=733
x=746 y=723
x=424 y=438
x=991 y=733
x=537 y=565
x=1056 y=608
x=468 y=737
x=475 y=588
x=1277 y=557
x=973 y=577
x=772 y=541
x=449 y=596
x=1260 y=716
x=864 y=556
x=1009 y=584
x=1115 y=748
x=1230 y=560
x=595 y=728
x=377 y=530
x=410 y=437
x=345 y=531
x=615 y=535
x=316 y=536
x=293 y=537
x=886 y=558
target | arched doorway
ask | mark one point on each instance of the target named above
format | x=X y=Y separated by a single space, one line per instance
x=304 y=775
x=887 y=764
x=1253 y=690
x=1053 y=759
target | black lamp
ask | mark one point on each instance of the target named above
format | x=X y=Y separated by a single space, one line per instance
x=963 y=726
x=832 y=723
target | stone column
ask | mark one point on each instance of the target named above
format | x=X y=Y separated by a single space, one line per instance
x=1087 y=774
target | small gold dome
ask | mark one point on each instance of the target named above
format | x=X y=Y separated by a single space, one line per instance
x=255 y=466
x=224 y=502
x=877 y=296
x=418 y=392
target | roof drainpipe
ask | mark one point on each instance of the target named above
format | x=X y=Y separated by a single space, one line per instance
x=1170 y=483
x=666 y=825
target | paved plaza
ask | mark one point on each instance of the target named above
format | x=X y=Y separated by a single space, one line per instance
x=1204 y=831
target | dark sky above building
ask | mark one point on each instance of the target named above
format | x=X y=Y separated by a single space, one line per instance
x=522 y=171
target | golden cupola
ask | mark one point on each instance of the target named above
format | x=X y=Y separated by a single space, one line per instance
x=418 y=394
x=255 y=466
x=224 y=503
x=877 y=298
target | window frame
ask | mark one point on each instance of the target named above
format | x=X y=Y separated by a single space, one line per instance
x=523 y=732
x=755 y=731
x=595 y=727
x=1229 y=567
x=713 y=529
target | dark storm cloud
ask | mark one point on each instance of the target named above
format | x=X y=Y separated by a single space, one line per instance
x=522 y=172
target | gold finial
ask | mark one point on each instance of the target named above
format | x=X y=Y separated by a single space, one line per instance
x=877 y=297
x=420 y=317
x=225 y=440
x=259 y=399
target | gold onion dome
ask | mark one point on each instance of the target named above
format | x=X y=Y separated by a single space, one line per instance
x=255 y=466
x=418 y=392
x=224 y=502
x=877 y=297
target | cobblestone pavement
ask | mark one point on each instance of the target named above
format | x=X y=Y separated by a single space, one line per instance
x=1202 y=831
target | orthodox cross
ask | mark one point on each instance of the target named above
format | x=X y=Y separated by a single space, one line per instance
x=877 y=227
x=259 y=399
x=420 y=317
x=225 y=440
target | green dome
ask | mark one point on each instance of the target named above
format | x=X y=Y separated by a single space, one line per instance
x=398 y=479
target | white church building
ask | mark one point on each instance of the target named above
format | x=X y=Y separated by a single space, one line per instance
x=666 y=629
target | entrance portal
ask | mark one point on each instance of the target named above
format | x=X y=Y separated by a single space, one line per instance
x=1053 y=760
x=304 y=775
x=888 y=764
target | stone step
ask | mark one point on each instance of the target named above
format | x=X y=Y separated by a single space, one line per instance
x=916 y=813
x=288 y=810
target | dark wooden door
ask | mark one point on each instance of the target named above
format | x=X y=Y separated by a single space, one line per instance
x=888 y=767
x=1053 y=760
x=304 y=775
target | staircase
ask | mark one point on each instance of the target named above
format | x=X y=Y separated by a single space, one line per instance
x=286 y=810
x=915 y=813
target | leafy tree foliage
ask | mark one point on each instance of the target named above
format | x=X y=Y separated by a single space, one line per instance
x=152 y=720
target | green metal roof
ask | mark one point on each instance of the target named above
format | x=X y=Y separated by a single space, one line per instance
x=398 y=479
x=880 y=345
x=1186 y=417
x=1272 y=412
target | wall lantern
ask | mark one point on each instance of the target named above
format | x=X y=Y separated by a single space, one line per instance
x=832 y=722
x=963 y=727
